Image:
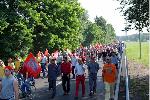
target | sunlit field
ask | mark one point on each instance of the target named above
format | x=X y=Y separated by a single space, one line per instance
x=132 y=51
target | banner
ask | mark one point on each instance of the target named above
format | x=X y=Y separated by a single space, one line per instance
x=32 y=66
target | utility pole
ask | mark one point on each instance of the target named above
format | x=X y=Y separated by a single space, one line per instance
x=140 y=40
x=126 y=29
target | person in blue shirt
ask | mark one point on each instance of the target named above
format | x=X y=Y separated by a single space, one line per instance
x=9 y=86
x=93 y=68
x=115 y=60
x=53 y=72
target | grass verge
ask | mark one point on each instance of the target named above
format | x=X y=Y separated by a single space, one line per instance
x=133 y=52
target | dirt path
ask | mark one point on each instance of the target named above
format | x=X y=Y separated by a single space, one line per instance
x=139 y=81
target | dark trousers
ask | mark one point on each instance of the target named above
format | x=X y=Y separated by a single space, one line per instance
x=92 y=81
x=104 y=59
x=73 y=71
x=66 y=80
x=52 y=85
x=99 y=55
x=43 y=66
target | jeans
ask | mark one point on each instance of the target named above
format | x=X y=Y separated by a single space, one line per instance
x=52 y=85
x=43 y=66
x=92 y=81
x=26 y=86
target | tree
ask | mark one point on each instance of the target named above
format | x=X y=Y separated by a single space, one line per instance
x=57 y=24
x=100 y=21
x=110 y=36
x=108 y=33
x=92 y=34
x=136 y=12
x=15 y=37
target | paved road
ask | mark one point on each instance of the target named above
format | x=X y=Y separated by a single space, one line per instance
x=42 y=92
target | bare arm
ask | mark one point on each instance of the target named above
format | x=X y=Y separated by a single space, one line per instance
x=16 y=90
x=26 y=75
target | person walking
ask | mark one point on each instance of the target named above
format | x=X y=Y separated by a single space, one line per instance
x=109 y=78
x=59 y=59
x=73 y=62
x=17 y=63
x=2 y=66
x=9 y=86
x=52 y=76
x=43 y=65
x=80 y=77
x=11 y=63
x=115 y=60
x=93 y=68
x=65 y=71
x=120 y=49
x=27 y=78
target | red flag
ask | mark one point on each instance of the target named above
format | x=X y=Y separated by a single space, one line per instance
x=32 y=66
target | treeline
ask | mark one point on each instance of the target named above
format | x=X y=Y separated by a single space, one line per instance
x=33 y=25
x=135 y=37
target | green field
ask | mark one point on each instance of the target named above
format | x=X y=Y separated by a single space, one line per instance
x=132 y=50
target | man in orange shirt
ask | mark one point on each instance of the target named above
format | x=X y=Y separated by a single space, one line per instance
x=109 y=78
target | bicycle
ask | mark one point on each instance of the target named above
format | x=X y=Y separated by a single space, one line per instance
x=27 y=88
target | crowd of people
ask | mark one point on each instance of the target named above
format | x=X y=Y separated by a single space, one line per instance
x=66 y=65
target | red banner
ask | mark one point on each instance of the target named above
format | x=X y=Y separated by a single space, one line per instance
x=32 y=66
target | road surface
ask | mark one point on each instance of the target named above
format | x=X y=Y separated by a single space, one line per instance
x=42 y=92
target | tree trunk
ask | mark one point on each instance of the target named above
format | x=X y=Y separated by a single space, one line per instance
x=140 y=43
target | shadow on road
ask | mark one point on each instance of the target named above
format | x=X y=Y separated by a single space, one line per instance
x=42 y=92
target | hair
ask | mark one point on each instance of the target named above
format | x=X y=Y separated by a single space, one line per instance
x=79 y=59
x=53 y=59
x=9 y=67
x=65 y=58
x=108 y=58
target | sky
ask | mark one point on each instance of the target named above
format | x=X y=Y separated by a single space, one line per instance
x=107 y=9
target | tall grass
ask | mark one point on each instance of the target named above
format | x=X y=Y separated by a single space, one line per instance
x=133 y=52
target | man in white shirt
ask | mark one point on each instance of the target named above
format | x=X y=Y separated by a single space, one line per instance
x=79 y=71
